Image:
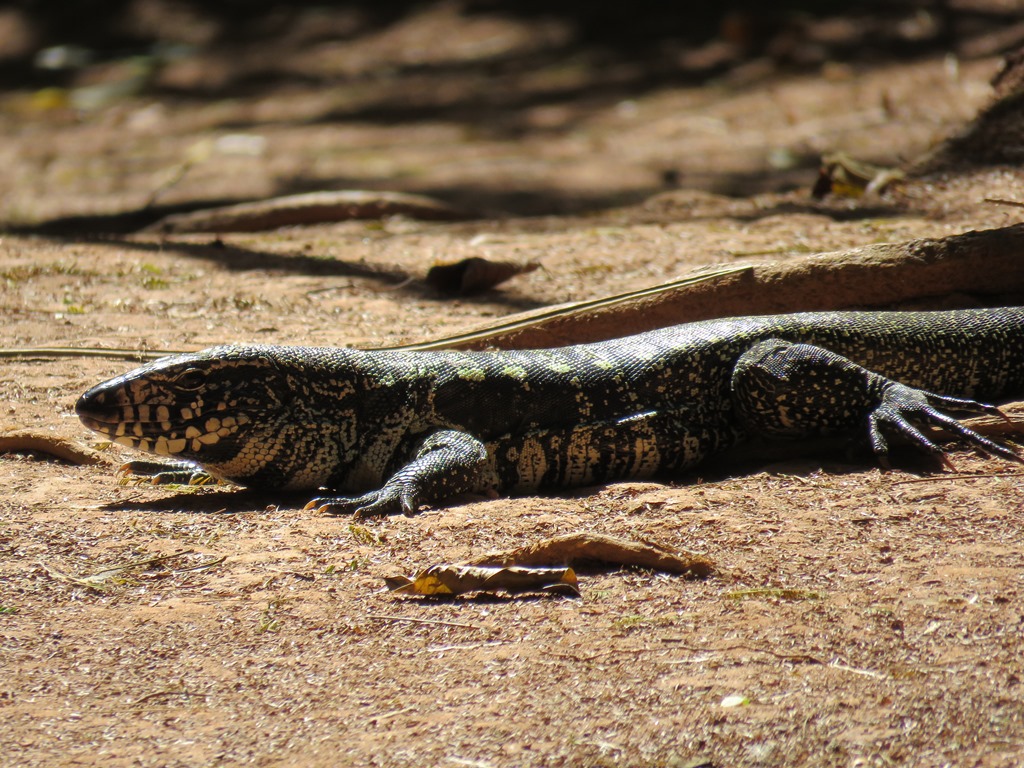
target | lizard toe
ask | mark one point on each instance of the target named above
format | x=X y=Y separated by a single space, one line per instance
x=903 y=408
x=379 y=503
x=333 y=505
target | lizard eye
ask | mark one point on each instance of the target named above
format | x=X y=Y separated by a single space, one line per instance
x=190 y=379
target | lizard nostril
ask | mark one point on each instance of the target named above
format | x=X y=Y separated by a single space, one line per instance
x=99 y=404
x=92 y=404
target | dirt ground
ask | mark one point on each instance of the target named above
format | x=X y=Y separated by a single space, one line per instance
x=861 y=617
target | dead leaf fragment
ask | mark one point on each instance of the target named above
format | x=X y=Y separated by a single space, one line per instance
x=845 y=176
x=475 y=274
x=594 y=549
x=453 y=579
x=37 y=441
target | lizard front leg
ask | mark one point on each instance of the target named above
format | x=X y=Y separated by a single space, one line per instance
x=782 y=389
x=164 y=473
x=446 y=463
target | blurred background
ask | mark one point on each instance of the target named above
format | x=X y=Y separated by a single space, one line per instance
x=521 y=108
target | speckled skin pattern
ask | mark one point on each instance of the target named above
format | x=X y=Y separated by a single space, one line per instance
x=406 y=428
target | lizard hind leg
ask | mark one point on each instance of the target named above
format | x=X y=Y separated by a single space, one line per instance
x=786 y=390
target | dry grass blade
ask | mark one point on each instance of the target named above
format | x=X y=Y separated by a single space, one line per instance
x=97 y=580
x=114 y=353
x=202 y=566
x=855 y=670
x=68 y=578
x=161 y=694
x=509 y=332
x=414 y=620
x=491 y=335
x=774 y=593
x=385 y=716
x=798 y=658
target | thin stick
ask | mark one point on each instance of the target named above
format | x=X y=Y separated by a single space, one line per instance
x=855 y=670
x=136 y=563
x=385 y=617
x=949 y=478
x=132 y=355
x=388 y=715
x=794 y=657
x=159 y=694
x=517 y=322
x=201 y=566
x=1001 y=201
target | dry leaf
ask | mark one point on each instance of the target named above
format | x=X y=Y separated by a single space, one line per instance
x=597 y=549
x=474 y=275
x=452 y=579
x=38 y=441
x=845 y=176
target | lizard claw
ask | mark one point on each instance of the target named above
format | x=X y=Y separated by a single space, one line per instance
x=901 y=405
x=336 y=505
x=140 y=472
x=389 y=500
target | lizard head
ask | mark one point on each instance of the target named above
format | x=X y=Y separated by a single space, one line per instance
x=196 y=407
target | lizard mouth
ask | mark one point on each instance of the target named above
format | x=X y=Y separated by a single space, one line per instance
x=108 y=410
x=155 y=428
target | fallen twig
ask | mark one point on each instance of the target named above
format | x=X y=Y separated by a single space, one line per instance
x=202 y=566
x=487 y=335
x=160 y=694
x=388 y=715
x=413 y=620
x=309 y=208
x=34 y=441
x=948 y=478
x=984 y=262
x=805 y=658
x=1001 y=201
x=114 y=353
x=855 y=670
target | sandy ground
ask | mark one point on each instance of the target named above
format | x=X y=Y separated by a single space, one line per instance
x=862 y=617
